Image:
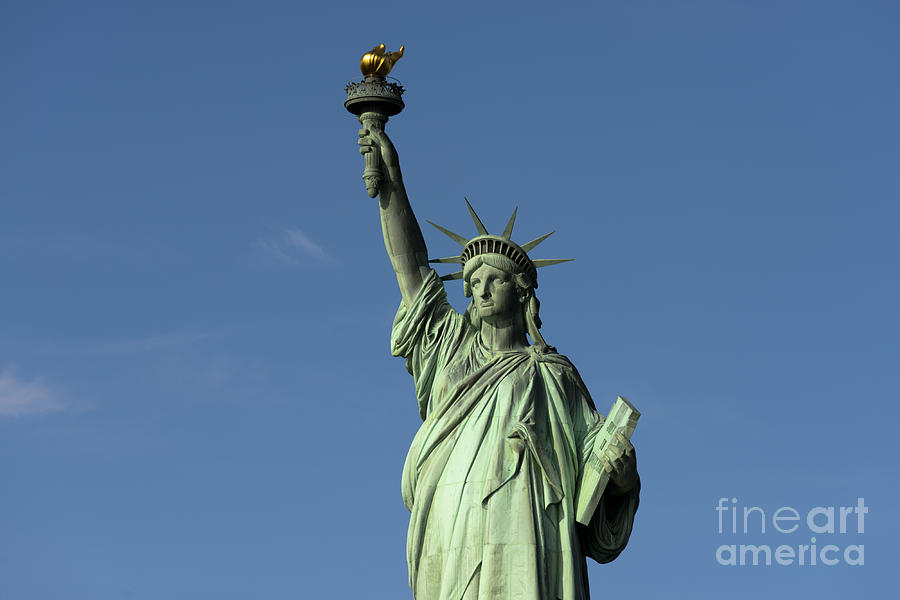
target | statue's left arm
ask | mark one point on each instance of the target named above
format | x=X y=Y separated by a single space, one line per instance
x=609 y=529
x=606 y=536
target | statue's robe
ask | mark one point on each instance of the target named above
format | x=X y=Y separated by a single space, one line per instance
x=491 y=477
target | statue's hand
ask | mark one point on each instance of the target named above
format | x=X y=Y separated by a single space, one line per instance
x=372 y=140
x=622 y=464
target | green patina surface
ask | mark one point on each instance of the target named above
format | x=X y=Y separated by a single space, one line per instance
x=511 y=481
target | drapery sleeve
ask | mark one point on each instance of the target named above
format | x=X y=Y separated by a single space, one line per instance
x=604 y=538
x=427 y=333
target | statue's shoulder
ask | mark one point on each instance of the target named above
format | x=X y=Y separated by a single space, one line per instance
x=557 y=368
x=560 y=365
x=551 y=358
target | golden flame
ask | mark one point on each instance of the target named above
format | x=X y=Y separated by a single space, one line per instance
x=376 y=63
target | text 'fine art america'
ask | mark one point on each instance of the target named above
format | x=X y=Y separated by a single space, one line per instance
x=514 y=479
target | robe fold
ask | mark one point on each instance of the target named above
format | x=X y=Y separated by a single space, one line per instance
x=491 y=476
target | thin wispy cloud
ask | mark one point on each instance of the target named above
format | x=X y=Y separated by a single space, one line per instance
x=298 y=239
x=20 y=397
x=292 y=246
x=149 y=344
x=108 y=347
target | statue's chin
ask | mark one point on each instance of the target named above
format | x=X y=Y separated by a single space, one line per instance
x=495 y=320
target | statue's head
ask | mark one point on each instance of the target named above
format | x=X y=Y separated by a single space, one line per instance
x=499 y=276
x=499 y=288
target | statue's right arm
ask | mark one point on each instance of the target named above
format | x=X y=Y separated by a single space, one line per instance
x=402 y=235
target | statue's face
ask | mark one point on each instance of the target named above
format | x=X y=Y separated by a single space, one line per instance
x=495 y=294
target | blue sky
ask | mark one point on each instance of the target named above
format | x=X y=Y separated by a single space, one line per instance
x=196 y=394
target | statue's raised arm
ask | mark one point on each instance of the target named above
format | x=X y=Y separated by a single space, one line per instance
x=402 y=235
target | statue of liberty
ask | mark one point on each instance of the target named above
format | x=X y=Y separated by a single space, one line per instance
x=493 y=475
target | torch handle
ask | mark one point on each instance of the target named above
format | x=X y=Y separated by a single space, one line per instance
x=372 y=174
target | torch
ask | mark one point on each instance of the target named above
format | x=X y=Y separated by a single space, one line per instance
x=373 y=100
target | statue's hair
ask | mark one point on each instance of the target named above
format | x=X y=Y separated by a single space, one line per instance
x=524 y=286
x=498 y=261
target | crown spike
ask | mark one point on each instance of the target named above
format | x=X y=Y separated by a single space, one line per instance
x=546 y=262
x=531 y=245
x=478 y=224
x=449 y=259
x=453 y=236
x=507 y=232
x=455 y=275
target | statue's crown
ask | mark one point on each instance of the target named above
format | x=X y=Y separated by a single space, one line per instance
x=485 y=243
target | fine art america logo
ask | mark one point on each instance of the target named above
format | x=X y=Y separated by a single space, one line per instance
x=823 y=525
